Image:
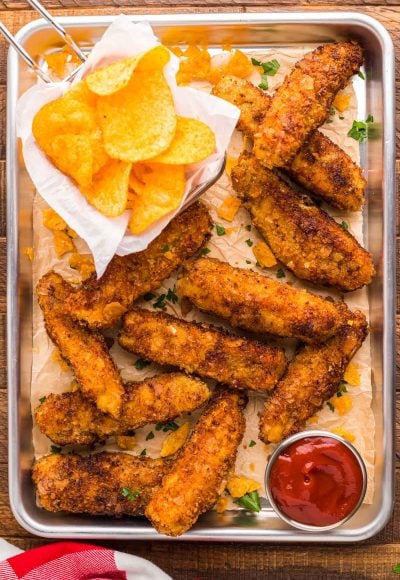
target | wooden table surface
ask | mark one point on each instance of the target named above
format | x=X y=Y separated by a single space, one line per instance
x=373 y=559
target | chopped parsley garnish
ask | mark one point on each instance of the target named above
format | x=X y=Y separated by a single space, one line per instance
x=55 y=449
x=85 y=287
x=150 y=435
x=169 y=426
x=171 y=296
x=331 y=407
x=269 y=67
x=252 y=443
x=42 y=400
x=341 y=117
x=248 y=261
x=165 y=248
x=149 y=296
x=220 y=230
x=160 y=302
x=280 y=273
x=129 y=494
x=250 y=501
x=205 y=251
x=143 y=452
x=258 y=264
x=345 y=225
x=248 y=228
x=141 y=363
x=359 y=129
x=361 y=75
x=396 y=569
x=249 y=243
x=341 y=389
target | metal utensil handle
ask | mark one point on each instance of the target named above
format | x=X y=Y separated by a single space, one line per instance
x=58 y=28
x=69 y=41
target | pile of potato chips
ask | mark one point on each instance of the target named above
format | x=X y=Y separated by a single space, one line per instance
x=117 y=134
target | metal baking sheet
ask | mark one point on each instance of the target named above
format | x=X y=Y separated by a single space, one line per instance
x=245 y=31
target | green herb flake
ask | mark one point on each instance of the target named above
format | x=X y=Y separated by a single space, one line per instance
x=250 y=501
x=220 y=230
x=369 y=119
x=341 y=117
x=341 y=389
x=169 y=426
x=280 y=273
x=328 y=121
x=165 y=248
x=252 y=443
x=345 y=225
x=55 y=449
x=249 y=243
x=258 y=264
x=85 y=287
x=141 y=363
x=270 y=67
x=150 y=435
x=160 y=302
x=248 y=227
x=129 y=494
x=396 y=569
x=361 y=75
x=171 y=296
x=149 y=296
x=331 y=407
x=248 y=261
x=205 y=251
x=359 y=129
x=42 y=399
x=143 y=453
x=264 y=82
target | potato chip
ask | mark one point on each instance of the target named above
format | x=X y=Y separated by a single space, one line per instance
x=161 y=193
x=109 y=190
x=193 y=142
x=114 y=77
x=139 y=121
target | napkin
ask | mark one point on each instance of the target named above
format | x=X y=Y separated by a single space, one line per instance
x=108 y=236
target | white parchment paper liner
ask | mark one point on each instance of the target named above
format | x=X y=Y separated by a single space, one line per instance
x=48 y=376
x=108 y=236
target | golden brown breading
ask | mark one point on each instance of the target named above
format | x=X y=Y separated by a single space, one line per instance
x=301 y=235
x=199 y=473
x=312 y=377
x=103 y=484
x=302 y=103
x=320 y=165
x=71 y=419
x=202 y=349
x=85 y=351
x=257 y=303
x=101 y=303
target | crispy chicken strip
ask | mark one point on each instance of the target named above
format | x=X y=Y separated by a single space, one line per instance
x=302 y=103
x=101 y=303
x=259 y=304
x=200 y=472
x=70 y=418
x=104 y=484
x=85 y=351
x=312 y=377
x=301 y=235
x=202 y=349
x=320 y=166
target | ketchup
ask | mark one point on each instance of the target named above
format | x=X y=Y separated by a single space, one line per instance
x=316 y=481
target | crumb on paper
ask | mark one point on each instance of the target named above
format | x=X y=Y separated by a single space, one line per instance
x=264 y=255
x=352 y=376
x=83 y=264
x=350 y=437
x=28 y=251
x=221 y=505
x=229 y=208
x=342 y=404
x=63 y=243
x=175 y=440
x=126 y=442
x=341 y=102
x=238 y=486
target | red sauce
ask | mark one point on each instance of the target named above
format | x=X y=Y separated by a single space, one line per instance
x=316 y=481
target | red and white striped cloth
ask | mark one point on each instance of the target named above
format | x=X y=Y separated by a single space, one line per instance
x=74 y=561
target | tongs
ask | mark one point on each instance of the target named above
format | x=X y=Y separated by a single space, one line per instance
x=69 y=41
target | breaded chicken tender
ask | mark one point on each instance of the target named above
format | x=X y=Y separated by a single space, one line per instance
x=101 y=303
x=257 y=303
x=200 y=471
x=70 y=418
x=301 y=235
x=202 y=349
x=312 y=377
x=85 y=351
x=302 y=103
x=320 y=165
x=104 y=484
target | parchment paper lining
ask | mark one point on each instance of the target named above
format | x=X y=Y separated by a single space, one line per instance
x=48 y=376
